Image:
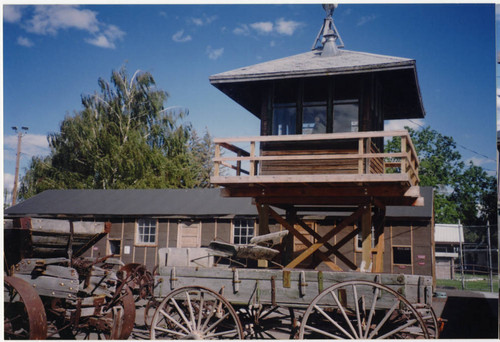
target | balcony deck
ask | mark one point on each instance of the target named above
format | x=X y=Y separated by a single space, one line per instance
x=335 y=168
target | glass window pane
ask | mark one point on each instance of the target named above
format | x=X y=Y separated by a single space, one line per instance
x=314 y=120
x=345 y=117
x=284 y=119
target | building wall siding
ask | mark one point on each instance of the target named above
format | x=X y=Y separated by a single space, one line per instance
x=416 y=235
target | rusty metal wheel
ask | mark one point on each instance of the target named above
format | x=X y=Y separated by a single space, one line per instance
x=24 y=313
x=195 y=313
x=111 y=321
x=361 y=310
x=138 y=279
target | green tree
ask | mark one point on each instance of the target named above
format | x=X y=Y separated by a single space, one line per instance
x=462 y=192
x=122 y=138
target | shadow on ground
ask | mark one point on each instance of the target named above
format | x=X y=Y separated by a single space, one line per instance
x=470 y=315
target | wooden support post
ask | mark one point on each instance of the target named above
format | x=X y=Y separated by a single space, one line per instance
x=252 y=162
x=288 y=240
x=238 y=165
x=403 y=159
x=263 y=210
x=368 y=149
x=380 y=243
x=360 y=152
x=216 y=164
x=366 y=236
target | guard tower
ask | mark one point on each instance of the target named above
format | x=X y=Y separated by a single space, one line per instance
x=321 y=146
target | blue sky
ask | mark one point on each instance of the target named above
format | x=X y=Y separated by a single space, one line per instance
x=54 y=54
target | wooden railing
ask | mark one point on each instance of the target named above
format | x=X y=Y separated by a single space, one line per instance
x=334 y=153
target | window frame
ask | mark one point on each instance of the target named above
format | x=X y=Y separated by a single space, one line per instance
x=401 y=246
x=246 y=236
x=137 y=239
x=108 y=247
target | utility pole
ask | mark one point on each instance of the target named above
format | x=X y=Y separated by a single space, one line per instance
x=460 y=230
x=20 y=134
x=490 y=262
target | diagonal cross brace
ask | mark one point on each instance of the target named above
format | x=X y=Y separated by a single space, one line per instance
x=299 y=236
x=314 y=247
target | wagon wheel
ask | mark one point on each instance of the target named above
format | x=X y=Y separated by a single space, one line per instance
x=24 y=313
x=259 y=321
x=195 y=312
x=430 y=319
x=361 y=310
x=149 y=311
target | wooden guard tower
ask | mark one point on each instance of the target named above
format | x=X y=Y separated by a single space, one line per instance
x=321 y=145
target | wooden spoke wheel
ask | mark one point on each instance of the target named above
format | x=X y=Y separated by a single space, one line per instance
x=361 y=310
x=261 y=321
x=24 y=313
x=430 y=319
x=195 y=313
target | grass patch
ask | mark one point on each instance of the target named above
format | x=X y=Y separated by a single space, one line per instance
x=472 y=283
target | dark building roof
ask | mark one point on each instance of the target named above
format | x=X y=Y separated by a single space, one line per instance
x=160 y=203
x=398 y=76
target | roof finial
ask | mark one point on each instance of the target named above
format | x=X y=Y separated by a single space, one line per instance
x=328 y=34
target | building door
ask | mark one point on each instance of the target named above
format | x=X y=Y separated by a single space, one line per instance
x=189 y=235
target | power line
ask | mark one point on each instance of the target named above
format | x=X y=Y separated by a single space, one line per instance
x=460 y=145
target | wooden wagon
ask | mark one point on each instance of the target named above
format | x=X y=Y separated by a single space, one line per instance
x=51 y=291
x=201 y=298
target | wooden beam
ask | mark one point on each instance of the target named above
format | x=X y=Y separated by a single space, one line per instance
x=314 y=247
x=234 y=149
x=380 y=245
x=326 y=260
x=366 y=236
x=263 y=210
x=302 y=239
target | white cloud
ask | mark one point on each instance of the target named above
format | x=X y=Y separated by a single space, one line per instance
x=107 y=38
x=23 y=41
x=242 y=30
x=179 y=37
x=31 y=145
x=205 y=20
x=279 y=27
x=101 y=41
x=214 y=53
x=262 y=27
x=12 y=13
x=366 y=19
x=8 y=182
x=51 y=19
x=478 y=161
x=286 y=27
x=395 y=125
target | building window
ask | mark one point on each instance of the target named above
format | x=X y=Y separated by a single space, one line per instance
x=114 y=247
x=401 y=255
x=284 y=119
x=146 y=231
x=345 y=116
x=243 y=231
